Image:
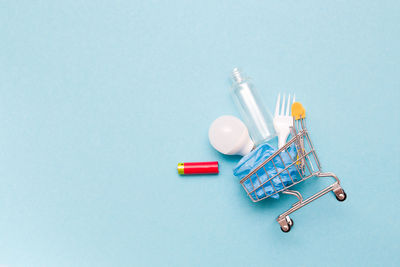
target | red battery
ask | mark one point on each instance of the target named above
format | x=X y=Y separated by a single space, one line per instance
x=198 y=167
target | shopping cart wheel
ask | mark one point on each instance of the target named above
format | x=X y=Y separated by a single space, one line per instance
x=341 y=197
x=286 y=230
x=288 y=227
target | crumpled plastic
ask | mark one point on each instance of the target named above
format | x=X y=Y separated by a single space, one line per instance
x=252 y=160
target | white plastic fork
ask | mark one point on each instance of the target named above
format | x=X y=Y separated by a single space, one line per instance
x=283 y=120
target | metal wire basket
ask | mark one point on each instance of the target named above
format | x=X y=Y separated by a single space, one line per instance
x=303 y=164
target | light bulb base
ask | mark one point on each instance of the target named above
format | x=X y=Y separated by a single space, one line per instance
x=247 y=148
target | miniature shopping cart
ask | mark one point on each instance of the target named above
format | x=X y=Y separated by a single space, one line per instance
x=302 y=165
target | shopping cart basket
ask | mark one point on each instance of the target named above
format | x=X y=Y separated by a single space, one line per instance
x=304 y=165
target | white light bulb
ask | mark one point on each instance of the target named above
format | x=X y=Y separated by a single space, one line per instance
x=230 y=136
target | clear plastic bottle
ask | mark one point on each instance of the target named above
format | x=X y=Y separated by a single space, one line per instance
x=255 y=115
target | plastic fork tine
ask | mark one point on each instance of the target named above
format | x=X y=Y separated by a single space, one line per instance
x=288 y=106
x=277 y=105
x=294 y=98
x=283 y=106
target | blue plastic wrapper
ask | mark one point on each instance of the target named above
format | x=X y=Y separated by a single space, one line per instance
x=251 y=161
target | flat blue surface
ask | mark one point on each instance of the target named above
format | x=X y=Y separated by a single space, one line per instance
x=100 y=100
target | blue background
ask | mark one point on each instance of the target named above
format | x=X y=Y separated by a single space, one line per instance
x=100 y=100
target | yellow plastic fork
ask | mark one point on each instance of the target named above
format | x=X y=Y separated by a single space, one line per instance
x=298 y=111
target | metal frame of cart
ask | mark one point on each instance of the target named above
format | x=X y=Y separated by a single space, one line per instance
x=307 y=165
